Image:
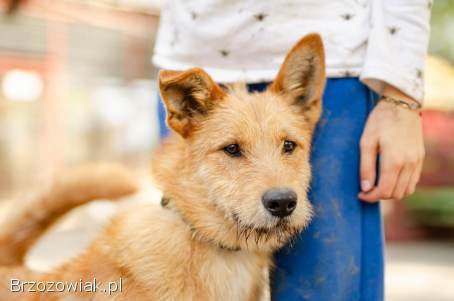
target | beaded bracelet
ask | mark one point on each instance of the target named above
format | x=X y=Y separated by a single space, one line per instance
x=414 y=106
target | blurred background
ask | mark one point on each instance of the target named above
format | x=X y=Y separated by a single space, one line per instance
x=77 y=84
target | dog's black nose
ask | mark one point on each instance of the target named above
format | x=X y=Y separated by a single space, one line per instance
x=280 y=201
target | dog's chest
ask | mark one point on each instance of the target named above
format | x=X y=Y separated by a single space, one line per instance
x=232 y=276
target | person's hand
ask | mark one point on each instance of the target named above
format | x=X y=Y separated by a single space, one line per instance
x=395 y=134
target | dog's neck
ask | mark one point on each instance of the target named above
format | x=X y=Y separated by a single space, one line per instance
x=167 y=203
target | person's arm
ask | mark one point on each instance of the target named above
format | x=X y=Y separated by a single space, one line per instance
x=395 y=133
x=394 y=67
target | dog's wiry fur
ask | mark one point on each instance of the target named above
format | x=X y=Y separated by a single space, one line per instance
x=214 y=239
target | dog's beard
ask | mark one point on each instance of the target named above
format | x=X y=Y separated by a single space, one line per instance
x=279 y=232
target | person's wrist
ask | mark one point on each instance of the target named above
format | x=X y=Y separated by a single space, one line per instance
x=397 y=98
x=401 y=103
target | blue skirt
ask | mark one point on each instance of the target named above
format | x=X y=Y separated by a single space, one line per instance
x=339 y=257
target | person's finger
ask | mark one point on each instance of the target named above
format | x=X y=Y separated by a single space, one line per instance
x=368 y=155
x=414 y=179
x=403 y=182
x=389 y=171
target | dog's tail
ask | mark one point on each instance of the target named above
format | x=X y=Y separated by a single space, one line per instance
x=23 y=225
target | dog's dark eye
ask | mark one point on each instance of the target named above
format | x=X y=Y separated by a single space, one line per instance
x=289 y=146
x=233 y=150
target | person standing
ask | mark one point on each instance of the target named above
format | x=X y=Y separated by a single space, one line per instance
x=368 y=145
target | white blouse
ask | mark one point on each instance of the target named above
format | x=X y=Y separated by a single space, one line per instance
x=246 y=40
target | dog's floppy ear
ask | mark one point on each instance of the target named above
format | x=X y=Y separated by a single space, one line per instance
x=302 y=75
x=188 y=96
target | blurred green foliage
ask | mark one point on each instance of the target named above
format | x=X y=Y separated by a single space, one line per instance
x=442 y=32
x=432 y=206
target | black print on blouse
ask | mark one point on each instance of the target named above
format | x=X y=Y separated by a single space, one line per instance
x=429 y=4
x=393 y=30
x=194 y=15
x=260 y=17
x=347 y=17
x=224 y=52
x=419 y=73
x=419 y=79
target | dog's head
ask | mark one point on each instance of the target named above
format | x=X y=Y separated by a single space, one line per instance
x=239 y=169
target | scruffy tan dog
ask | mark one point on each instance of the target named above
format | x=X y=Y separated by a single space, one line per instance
x=234 y=179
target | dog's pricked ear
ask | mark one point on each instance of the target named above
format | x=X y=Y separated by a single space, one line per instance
x=302 y=75
x=188 y=96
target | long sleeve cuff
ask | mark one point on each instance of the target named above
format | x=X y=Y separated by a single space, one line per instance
x=397 y=46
